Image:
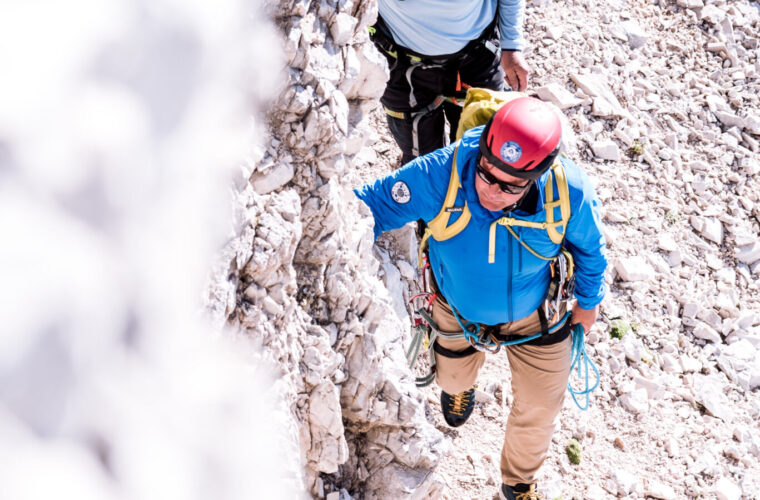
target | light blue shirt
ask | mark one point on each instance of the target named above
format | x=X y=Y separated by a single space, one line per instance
x=438 y=27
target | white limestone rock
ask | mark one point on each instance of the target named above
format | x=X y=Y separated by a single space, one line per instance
x=655 y=388
x=713 y=230
x=606 y=150
x=596 y=492
x=395 y=287
x=342 y=28
x=483 y=397
x=275 y=178
x=625 y=482
x=666 y=242
x=670 y=364
x=703 y=331
x=637 y=37
x=369 y=72
x=752 y=124
x=598 y=86
x=690 y=4
x=672 y=447
x=708 y=392
x=634 y=269
x=558 y=95
x=632 y=348
x=730 y=119
x=329 y=449
x=690 y=364
x=656 y=489
x=406 y=270
x=727 y=489
x=712 y=14
x=748 y=254
x=636 y=401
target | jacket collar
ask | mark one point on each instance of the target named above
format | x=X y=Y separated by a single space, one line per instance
x=467 y=154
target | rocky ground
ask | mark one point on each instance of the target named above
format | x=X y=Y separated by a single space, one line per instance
x=663 y=102
x=157 y=153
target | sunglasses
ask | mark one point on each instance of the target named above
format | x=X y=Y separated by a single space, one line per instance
x=506 y=187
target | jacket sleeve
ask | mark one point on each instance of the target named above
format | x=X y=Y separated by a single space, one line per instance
x=585 y=241
x=511 y=13
x=416 y=191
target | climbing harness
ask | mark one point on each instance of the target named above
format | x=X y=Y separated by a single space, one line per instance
x=561 y=283
x=426 y=332
x=485 y=338
x=380 y=35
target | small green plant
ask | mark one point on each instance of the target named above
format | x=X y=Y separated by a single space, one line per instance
x=647 y=357
x=636 y=148
x=619 y=328
x=672 y=217
x=573 y=450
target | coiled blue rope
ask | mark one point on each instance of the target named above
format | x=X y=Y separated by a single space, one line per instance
x=581 y=362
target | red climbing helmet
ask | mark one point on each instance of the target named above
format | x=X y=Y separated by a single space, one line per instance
x=522 y=138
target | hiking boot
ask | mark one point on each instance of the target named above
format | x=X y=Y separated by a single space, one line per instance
x=457 y=408
x=520 y=491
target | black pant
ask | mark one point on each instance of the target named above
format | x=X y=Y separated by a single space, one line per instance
x=476 y=66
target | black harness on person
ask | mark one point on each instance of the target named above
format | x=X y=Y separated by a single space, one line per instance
x=482 y=337
x=453 y=89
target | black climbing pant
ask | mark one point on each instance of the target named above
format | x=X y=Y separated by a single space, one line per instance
x=413 y=101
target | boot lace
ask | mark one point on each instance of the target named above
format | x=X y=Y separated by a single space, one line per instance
x=531 y=494
x=459 y=402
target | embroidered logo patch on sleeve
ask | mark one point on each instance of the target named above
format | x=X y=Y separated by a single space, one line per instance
x=400 y=192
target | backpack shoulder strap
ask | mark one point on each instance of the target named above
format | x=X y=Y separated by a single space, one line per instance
x=563 y=201
x=439 y=228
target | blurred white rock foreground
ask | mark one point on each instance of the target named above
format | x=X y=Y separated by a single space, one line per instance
x=120 y=128
x=300 y=275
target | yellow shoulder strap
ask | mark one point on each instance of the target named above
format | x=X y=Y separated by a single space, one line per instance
x=550 y=226
x=439 y=227
x=563 y=200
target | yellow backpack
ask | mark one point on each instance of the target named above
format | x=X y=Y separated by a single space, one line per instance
x=479 y=106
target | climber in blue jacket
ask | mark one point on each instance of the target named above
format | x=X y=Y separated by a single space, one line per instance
x=497 y=275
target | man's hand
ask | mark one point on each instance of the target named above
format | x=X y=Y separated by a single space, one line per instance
x=515 y=68
x=585 y=317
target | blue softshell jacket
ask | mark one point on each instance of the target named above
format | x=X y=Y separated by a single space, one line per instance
x=515 y=284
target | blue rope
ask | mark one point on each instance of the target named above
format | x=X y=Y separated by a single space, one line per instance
x=580 y=361
x=472 y=337
x=578 y=357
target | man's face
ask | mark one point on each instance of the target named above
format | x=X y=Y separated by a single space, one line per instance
x=491 y=196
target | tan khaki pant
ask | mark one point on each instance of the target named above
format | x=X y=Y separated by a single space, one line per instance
x=539 y=381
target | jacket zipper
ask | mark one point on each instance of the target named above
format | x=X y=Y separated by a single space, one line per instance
x=509 y=278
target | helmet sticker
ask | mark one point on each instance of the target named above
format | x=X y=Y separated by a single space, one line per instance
x=400 y=192
x=510 y=152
